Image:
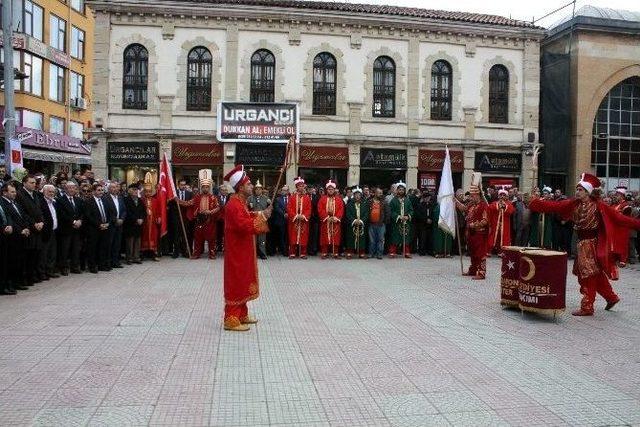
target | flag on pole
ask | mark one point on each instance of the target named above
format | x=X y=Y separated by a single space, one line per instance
x=446 y=194
x=15 y=162
x=166 y=192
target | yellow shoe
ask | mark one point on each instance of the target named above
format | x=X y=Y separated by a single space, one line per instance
x=234 y=324
x=248 y=320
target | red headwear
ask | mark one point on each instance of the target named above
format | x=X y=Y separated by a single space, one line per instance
x=589 y=182
x=237 y=177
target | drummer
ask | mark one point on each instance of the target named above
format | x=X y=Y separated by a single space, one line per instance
x=598 y=227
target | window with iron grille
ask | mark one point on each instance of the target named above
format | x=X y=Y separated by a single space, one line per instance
x=384 y=87
x=263 y=76
x=498 y=94
x=441 y=89
x=135 y=76
x=324 y=84
x=200 y=64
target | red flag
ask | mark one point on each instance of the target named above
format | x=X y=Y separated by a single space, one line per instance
x=166 y=192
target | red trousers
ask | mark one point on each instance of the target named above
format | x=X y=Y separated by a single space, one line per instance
x=233 y=313
x=204 y=233
x=477 y=244
x=598 y=284
x=293 y=250
x=393 y=249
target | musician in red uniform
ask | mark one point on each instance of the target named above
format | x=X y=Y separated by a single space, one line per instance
x=241 y=283
x=298 y=214
x=621 y=205
x=204 y=212
x=476 y=232
x=330 y=212
x=500 y=213
x=598 y=228
x=150 y=239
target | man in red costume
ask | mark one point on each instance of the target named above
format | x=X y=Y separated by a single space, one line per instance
x=598 y=228
x=500 y=213
x=204 y=211
x=476 y=232
x=621 y=205
x=298 y=214
x=241 y=283
x=330 y=212
x=150 y=233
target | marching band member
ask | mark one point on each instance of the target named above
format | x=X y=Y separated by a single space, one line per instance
x=357 y=219
x=298 y=215
x=500 y=213
x=401 y=213
x=204 y=211
x=330 y=211
x=476 y=232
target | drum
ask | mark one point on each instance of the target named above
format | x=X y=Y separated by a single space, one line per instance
x=510 y=279
x=543 y=281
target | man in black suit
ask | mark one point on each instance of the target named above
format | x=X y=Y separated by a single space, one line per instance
x=175 y=227
x=280 y=220
x=223 y=198
x=6 y=230
x=118 y=212
x=97 y=220
x=70 y=237
x=16 y=259
x=47 y=261
x=132 y=228
x=314 y=223
x=28 y=198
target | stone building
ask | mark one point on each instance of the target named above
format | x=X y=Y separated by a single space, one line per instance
x=594 y=59
x=381 y=89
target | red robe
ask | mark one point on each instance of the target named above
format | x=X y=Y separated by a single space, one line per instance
x=204 y=225
x=150 y=233
x=330 y=233
x=240 y=262
x=298 y=204
x=500 y=224
x=623 y=208
x=477 y=234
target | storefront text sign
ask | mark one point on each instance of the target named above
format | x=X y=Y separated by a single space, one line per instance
x=383 y=158
x=260 y=154
x=51 y=141
x=257 y=122
x=498 y=162
x=187 y=153
x=133 y=153
x=324 y=157
x=433 y=160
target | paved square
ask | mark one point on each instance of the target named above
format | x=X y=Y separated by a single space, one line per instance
x=344 y=343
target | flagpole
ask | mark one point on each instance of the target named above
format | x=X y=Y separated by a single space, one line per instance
x=285 y=166
x=455 y=213
x=172 y=183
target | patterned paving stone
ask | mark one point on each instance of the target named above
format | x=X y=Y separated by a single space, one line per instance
x=389 y=343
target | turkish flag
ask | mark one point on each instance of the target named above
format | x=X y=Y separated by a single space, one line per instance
x=166 y=192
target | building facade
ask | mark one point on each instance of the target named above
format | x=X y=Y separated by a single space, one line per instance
x=53 y=44
x=381 y=90
x=597 y=54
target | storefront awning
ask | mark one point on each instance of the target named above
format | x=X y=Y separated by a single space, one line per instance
x=56 y=157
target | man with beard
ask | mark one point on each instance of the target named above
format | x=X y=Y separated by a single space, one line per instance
x=241 y=283
x=357 y=219
x=500 y=213
x=259 y=202
x=205 y=209
x=330 y=212
x=401 y=214
x=477 y=232
x=298 y=215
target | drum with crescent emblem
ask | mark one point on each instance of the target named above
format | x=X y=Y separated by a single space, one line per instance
x=543 y=281
x=510 y=278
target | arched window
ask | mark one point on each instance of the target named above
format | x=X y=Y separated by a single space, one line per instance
x=498 y=94
x=384 y=87
x=615 y=146
x=199 y=66
x=441 y=88
x=135 y=77
x=263 y=76
x=324 y=84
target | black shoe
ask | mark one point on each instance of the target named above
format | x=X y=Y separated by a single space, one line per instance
x=54 y=275
x=117 y=266
x=65 y=272
x=263 y=257
x=21 y=288
x=76 y=271
x=7 y=292
x=105 y=269
x=175 y=256
x=93 y=270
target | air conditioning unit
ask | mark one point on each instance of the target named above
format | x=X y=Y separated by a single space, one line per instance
x=79 y=103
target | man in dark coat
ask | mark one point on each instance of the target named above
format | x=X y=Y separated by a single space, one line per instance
x=28 y=198
x=6 y=230
x=20 y=233
x=280 y=220
x=49 y=249
x=115 y=203
x=98 y=219
x=132 y=228
x=70 y=216
x=177 y=213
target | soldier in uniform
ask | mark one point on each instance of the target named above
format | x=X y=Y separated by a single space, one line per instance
x=477 y=232
x=204 y=211
x=258 y=203
x=401 y=214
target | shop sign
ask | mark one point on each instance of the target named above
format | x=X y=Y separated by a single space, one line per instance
x=132 y=153
x=257 y=122
x=383 y=158
x=323 y=157
x=35 y=46
x=433 y=160
x=187 y=153
x=498 y=162
x=428 y=181
x=260 y=154
x=51 y=141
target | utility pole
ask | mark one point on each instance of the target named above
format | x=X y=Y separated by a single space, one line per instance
x=9 y=108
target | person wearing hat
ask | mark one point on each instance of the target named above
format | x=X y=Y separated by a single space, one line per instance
x=204 y=211
x=357 y=220
x=280 y=222
x=541 y=234
x=330 y=212
x=298 y=215
x=500 y=213
x=259 y=202
x=401 y=228
x=599 y=228
x=150 y=232
x=241 y=283
x=476 y=232
x=620 y=204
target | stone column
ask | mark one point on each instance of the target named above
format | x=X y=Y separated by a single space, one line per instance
x=164 y=145
x=412 y=166
x=355 y=118
x=353 y=175
x=531 y=103
x=166 y=111
x=413 y=85
x=470 y=123
x=231 y=61
x=100 y=90
x=228 y=161
x=469 y=165
x=99 y=156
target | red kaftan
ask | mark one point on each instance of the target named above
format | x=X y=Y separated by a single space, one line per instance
x=330 y=233
x=240 y=263
x=150 y=233
x=500 y=224
x=477 y=233
x=204 y=225
x=298 y=205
